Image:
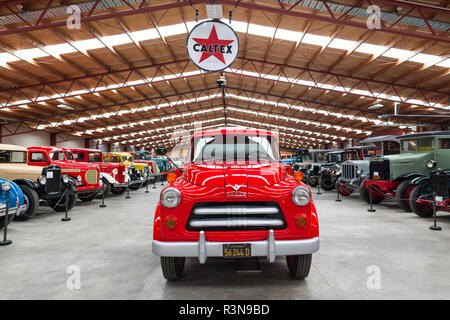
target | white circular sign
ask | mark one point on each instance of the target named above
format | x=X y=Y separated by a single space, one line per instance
x=212 y=45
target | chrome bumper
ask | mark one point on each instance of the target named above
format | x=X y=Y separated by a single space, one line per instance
x=11 y=211
x=203 y=249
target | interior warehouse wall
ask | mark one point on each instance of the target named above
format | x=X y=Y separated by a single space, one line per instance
x=41 y=138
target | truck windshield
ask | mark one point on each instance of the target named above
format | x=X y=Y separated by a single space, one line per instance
x=335 y=157
x=78 y=155
x=234 y=148
x=352 y=155
x=7 y=156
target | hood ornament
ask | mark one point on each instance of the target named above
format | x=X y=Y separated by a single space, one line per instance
x=236 y=187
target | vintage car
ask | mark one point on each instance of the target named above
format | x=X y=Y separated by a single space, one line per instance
x=355 y=168
x=312 y=166
x=421 y=197
x=12 y=192
x=114 y=175
x=394 y=175
x=138 y=172
x=234 y=199
x=150 y=170
x=86 y=175
x=329 y=171
x=37 y=184
x=164 y=166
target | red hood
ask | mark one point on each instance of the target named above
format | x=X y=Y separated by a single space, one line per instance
x=250 y=174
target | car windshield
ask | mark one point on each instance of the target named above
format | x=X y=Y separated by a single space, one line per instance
x=68 y=155
x=335 y=157
x=7 y=156
x=417 y=144
x=231 y=147
x=94 y=157
x=352 y=155
x=57 y=155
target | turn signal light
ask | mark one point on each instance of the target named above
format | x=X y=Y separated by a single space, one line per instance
x=171 y=223
x=298 y=176
x=301 y=221
x=171 y=177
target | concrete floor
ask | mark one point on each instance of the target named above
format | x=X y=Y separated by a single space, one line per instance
x=112 y=248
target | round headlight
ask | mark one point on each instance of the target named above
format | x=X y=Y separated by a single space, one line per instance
x=170 y=198
x=65 y=178
x=115 y=171
x=42 y=180
x=6 y=186
x=431 y=164
x=338 y=171
x=301 y=196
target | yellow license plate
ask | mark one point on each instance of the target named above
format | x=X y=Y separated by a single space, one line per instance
x=238 y=250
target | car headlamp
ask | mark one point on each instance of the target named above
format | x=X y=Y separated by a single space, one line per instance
x=431 y=164
x=338 y=171
x=65 y=179
x=358 y=171
x=170 y=197
x=6 y=186
x=115 y=171
x=301 y=196
x=42 y=180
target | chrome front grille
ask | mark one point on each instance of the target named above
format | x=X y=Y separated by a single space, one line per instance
x=348 y=171
x=236 y=216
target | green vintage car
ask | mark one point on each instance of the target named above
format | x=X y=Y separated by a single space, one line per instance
x=397 y=175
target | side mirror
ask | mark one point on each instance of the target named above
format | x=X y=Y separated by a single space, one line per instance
x=161 y=151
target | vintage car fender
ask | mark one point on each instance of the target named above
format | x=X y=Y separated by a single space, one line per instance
x=15 y=196
x=408 y=176
x=108 y=177
x=157 y=224
x=27 y=182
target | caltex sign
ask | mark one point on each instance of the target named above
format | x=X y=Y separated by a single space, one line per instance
x=212 y=45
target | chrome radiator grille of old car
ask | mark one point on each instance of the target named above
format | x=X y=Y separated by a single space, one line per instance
x=348 y=171
x=236 y=216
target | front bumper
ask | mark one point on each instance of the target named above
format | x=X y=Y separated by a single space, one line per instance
x=88 y=190
x=203 y=249
x=11 y=211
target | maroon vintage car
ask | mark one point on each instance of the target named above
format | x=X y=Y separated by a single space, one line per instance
x=114 y=175
x=86 y=175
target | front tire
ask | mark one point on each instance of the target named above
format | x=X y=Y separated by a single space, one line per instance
x=422 y=210
x=32 y=199
x=402 y=195
x=299 y=266
x=61 y=205
x=343 y=189
x=118 y=191
x=135 y=186
x=88 y=197
x=312 y=181
x=326 y=183
x=364 y=195
x=172 y=267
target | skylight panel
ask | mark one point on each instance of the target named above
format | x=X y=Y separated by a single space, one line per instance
x=117 y=39
x=398 y=54
x=371 y=49
x=426 y=59
x=30 y=53
x=261 y=30
x=172 y=30
x=341 y=44
x=289 y=35
x=88 y=44
x=316 y=39
x=147 y=34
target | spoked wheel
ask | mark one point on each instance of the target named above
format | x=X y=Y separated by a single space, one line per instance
x=326 y=183
x=88 y=197
x=61 y=205
x=135 y=186
x=172 y=267
x=402 y=195
x=343 y=189
x=118 y=191
x=106 y=189
x=312 y=181
x=299 y=265
x=364 y=195
x=422 y=210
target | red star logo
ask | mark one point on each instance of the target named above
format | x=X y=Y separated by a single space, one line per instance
x=210 y=42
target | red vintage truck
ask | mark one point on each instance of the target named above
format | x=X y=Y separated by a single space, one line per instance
x=235 y=199
x=114 y=175
x=85 y=175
